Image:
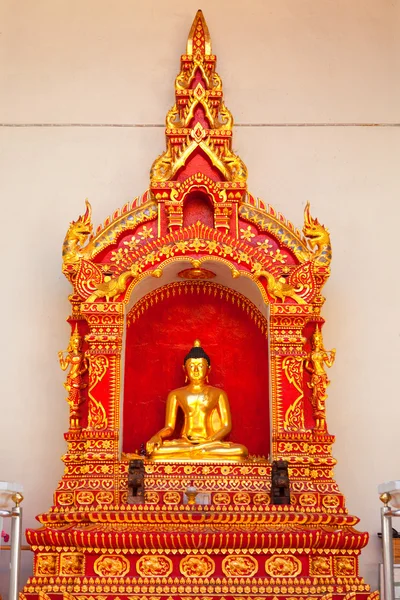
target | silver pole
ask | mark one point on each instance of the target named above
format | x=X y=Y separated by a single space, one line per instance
x=387 y=547
x=15 y=552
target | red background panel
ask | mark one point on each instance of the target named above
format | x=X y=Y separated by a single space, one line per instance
x=158 y=341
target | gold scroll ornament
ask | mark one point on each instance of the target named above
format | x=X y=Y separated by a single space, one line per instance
x=97 y=418
x=293 y=369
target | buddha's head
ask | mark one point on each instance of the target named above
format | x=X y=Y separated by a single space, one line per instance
x=197 y=363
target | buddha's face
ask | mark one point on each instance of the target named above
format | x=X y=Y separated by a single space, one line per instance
x=196 y=369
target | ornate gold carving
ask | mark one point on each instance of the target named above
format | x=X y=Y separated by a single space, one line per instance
x=196 y=272
x=277 y=289
x=239 y=566
x=199 y=37
x=321 y=565
x=161 y=168
x=293 y=369
x=75 y=238
x=241 y=498
x=237 y=168
x=197 y=566
x=261 y=498
x=308 y=500
x=65 y=498
x=221 y=498
x=318 y=239
x=172 y=498
x=72 y=563
x=74 y=384
x=330 y=501
x=111 y=566
x=85 y=497
x=154 y=566
x=114 y=286
x=105 y=498
x=344 y=566
x=283 y=566
x=315 y=364
x=97 y=417
x=151 y=497
x=186 y=132
x=46 y=564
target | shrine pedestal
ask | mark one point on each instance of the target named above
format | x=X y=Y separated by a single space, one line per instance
x=238 y=546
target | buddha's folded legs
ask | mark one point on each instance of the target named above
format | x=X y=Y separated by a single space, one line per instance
x=181 y=448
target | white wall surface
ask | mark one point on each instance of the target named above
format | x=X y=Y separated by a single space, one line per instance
x=85 y=86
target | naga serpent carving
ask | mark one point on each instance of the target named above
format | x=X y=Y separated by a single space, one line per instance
x=75 y=238
x=318 y=239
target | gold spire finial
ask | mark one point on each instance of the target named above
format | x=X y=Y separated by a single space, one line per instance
x=199 y=38
x=197 y=344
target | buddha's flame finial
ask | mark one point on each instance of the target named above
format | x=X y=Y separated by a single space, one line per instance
x=199 y=38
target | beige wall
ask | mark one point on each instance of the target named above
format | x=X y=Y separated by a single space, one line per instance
x=71 y=71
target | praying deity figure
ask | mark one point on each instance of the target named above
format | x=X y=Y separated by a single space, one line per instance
x=74 y=384
x=207 y=418
x=315 y=364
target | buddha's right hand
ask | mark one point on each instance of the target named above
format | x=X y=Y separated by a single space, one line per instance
x=154 y=443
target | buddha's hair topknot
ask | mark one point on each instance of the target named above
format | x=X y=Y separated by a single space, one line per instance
x=197 y=352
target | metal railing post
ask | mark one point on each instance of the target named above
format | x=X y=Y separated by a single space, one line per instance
x=15 y=551
x=387 y=547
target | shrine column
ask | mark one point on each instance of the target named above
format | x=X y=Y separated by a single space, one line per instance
x=106 y=322
x=287 y=356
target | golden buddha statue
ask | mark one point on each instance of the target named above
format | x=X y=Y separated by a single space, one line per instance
x=207 y=418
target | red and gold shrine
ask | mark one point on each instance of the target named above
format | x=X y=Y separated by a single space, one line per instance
x=197 y=257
